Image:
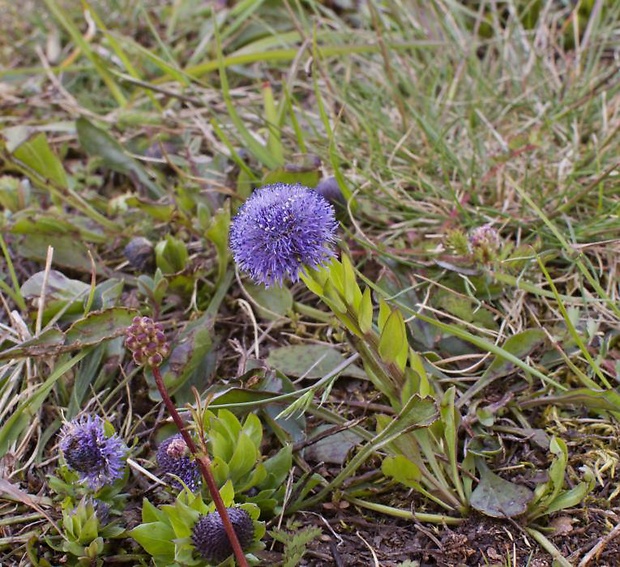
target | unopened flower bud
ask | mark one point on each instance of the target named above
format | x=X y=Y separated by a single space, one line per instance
x=147 y=342
x=484 y=242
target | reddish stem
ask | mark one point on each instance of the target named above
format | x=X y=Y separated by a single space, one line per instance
x=204 y=463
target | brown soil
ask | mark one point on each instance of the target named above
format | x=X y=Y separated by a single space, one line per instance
x=354 y=538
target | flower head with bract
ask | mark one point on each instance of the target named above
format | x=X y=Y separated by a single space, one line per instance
x=210 y=539
x=280 y=230
x=97 y=458
x=174 y=458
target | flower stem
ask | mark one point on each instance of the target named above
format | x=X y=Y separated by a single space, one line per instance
x=204 y=463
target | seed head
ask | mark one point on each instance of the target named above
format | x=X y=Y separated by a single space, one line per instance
x=210 y=539
x=98 y=460
x=173 y=457
x=280 y=230
x=147 y=342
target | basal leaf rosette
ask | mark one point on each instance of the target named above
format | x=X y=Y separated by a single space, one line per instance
x=235 y=449
x=190 y=532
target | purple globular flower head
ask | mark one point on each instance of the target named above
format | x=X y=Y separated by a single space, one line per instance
x=173 y=457
x=98 y=459
x=210 y=539
x=280 y=230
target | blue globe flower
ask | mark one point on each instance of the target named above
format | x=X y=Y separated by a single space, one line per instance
x=280 y=230
x=98 y=459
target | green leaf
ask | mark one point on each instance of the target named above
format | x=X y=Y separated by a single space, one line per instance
x=227 y=423
x=220 y=470
x=253 y=428
x=569 y=498
x=519 y=345
x=58 y=288
x=36 y=154
x=171 y=255
x=393 y=346
x=384 y=313
x=310 y=361
x=365 y=312
x=333 y=448
x=333 y=297
x=98 y=143
x=99 y=326
x=450 y=420
x=272 y=302
x=150 y=513
x=350 y=289
x=244 y=457
x=181 y=517
x=402 y=470
x=497 y=497
x=218 y=234
x=416 y=364
x=162 y=212
x=557 y=469
x=278 y=467
x=156 y=538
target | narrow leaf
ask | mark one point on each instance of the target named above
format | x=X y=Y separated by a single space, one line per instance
x=97 y=142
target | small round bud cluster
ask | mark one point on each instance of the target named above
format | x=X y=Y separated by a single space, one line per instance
x=147 y=342
x=173 y=458
x=210 y=539
x=484 y=242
